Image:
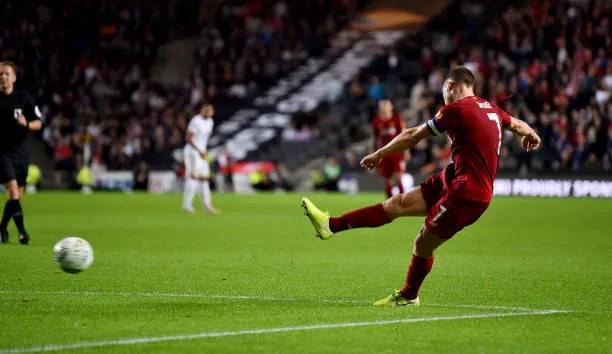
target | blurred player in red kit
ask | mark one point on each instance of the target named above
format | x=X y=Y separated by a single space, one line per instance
x=450 y=200
x=385 y=127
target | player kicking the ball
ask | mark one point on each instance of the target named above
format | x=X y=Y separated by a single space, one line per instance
x=450 y=200
x=197 y=169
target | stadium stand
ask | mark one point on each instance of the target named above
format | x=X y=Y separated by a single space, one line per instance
x=546 y=62
x=90 y=64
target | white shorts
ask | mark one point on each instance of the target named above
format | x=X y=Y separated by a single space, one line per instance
x=195 y=165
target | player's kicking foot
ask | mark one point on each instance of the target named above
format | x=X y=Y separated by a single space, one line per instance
x=189 y=210
x=4 y=236
x=318 y=218
x=24 y=239
x=212 y=210
x=397 y=299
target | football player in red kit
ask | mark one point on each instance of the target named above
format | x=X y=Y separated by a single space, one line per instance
x=450 y=200
x=385 y=127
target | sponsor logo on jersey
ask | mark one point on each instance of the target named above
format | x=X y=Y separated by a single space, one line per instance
x=439 y=115
x=484 y=105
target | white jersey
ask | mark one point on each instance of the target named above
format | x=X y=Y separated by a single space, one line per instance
x=201 y=128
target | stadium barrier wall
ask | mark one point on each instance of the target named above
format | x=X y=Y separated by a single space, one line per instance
x=580 y=186
x=563 y=186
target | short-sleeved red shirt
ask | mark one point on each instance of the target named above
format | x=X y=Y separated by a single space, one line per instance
x=475 y=127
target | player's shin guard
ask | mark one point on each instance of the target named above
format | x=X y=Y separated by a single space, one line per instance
x=9 y=209
x=372 y=216
x=418 y=270
x=206 y=194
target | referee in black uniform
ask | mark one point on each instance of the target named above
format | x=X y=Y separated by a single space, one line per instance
x=18 y=115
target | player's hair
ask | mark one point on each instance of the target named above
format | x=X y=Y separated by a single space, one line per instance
x=462 y=75
x=9 y=63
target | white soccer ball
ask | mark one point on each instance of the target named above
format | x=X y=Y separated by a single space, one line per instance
x=73 y=254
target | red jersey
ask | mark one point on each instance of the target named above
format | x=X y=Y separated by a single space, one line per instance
x=387 y=130
x=475 y=127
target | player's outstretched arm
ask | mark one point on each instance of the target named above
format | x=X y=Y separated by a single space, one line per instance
x=531 y=141
x=404 y=141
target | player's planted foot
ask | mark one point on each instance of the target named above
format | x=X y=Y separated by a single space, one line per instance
x=189 y=210
x=397 y=299
x=212 y=210
x=24 y=239
x=4 y=236
x=318 y=218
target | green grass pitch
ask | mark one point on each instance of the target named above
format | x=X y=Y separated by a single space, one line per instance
x=531 y=276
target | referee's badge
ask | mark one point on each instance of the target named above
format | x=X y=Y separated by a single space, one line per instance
x=17 y=112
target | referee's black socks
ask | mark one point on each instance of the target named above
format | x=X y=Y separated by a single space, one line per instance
x=12 y=208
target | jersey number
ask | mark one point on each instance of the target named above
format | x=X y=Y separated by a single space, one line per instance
x=494 y=117
x=439 y=215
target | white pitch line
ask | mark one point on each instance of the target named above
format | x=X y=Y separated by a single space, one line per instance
x=144 y=340
x=247 y=297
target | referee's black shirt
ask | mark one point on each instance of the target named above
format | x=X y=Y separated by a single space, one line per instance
x=13 y=135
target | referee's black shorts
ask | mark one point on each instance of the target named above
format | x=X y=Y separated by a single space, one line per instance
x=13 y=166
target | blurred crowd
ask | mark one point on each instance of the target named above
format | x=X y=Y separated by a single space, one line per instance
x=546 y=62
x=89 y=65
x=248 y=45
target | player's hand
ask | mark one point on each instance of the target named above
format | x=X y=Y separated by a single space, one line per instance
x=371 y=161
x=531 y=142
x=21 y=120
x=204 y=155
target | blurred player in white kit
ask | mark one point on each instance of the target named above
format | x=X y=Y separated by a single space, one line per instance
x=197 y=169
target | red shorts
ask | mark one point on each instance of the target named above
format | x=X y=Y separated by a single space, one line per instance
x=391 y=164
x=448 y=214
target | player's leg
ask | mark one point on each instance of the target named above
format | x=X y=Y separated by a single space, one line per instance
x=420 y=265
x=8 y=179
x=397 y=180
x=21 y=172
x=204 y=173
x=407 y=204
x=386 y=171
x=446 y=217
x=11 y=207
x=191 y=182
x=422 y=260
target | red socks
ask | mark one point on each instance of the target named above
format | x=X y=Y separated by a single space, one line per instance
x=389 y=189
x=372 y=216
x=418 y=270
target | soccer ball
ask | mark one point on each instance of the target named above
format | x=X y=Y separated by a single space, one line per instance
x=73 y=254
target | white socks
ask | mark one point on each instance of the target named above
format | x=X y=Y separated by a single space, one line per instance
x=191 y=188
x=206 y=195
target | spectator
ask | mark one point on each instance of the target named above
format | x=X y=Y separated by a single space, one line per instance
x=141 y=177
x=330 y=174
x=376 y=90
x=281 y=177
x=351 y=163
